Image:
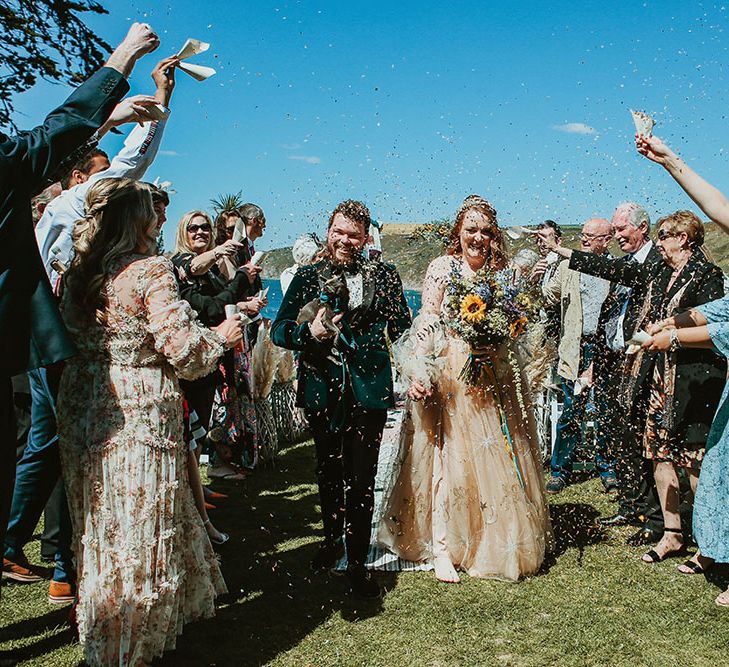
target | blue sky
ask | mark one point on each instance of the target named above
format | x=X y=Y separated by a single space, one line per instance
x=411 y=106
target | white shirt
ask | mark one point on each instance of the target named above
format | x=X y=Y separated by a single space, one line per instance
x=640 y=257
x=54 y=230
x=354 y=285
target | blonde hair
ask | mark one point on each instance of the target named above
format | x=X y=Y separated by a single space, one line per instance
x=182 y=244
x=497 y=258
x=119 y=215
x=684 y=222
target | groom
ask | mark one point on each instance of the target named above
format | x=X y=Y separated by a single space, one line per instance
x=346 y=393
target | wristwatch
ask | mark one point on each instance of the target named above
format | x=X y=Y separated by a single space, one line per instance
x=675 y=342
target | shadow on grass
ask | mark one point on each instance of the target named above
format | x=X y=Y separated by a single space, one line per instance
x=274 y=600
x=33 y=627
x=575 y=526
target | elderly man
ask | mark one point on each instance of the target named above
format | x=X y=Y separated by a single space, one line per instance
x=638 y=504
x=581 y=297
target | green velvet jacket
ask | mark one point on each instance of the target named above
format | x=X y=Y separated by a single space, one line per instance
x=367 y=370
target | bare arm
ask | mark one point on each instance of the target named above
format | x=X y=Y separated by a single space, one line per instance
x=690 y=337
x=708 y=198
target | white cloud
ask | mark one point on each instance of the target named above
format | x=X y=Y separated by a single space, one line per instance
x=575 y=128
x=309 y=159
x=291 y=147
x=169 y=153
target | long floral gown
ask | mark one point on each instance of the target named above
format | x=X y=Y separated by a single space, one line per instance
x=145 y=564
x=460 y=493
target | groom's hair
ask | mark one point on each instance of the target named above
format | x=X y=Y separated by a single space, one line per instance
x=353 y=210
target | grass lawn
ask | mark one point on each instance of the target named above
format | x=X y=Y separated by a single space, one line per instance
x=594 y=603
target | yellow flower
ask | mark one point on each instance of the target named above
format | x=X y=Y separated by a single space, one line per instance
x=473 y=308
x=517 y=327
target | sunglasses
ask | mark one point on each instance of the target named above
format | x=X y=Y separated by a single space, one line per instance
x=191 y=229
x=663 y=234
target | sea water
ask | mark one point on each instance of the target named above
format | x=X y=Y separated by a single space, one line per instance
x=275 y=297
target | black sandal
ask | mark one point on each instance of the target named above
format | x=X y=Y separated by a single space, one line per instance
x=655 y=557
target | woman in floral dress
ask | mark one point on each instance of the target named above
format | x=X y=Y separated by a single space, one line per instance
x=145 y=564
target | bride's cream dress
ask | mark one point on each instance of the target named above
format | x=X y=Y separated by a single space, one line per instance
x=461 y=497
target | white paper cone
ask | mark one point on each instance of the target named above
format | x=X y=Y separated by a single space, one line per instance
x=231 y=310
x=239 y=233
x=191 y=48
x=198 y=72
x=257 y=257
x=644 y=124
x=639 y=337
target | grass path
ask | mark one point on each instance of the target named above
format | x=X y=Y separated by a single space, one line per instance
x=594 y=603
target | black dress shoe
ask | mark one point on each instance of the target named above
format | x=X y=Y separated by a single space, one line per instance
x=619 y=520
x=644 y=536
x=328 y=555
x=362 y=583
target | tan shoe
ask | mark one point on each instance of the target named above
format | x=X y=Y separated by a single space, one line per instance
x=23 y=572
x=60 y=592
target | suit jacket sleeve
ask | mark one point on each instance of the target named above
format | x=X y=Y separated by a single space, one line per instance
x=609 y=268
x=285 y=332
x=399 y=319
x=41 y=151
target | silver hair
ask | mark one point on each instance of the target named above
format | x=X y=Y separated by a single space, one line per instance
x=637 y=215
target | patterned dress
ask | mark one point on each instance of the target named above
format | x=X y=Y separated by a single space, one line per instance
x=145 y=564
x=711 y=505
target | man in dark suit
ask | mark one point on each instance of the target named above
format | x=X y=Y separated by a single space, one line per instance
x=346 y=393
x=31 y=331
x=638 y=504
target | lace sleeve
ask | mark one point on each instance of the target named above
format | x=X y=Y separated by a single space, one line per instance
x=192 y=349
x=417 y=352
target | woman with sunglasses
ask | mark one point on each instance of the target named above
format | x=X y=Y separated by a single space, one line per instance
x=205 y=287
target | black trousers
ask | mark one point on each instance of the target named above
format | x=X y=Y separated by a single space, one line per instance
x=346 y=469
x=638 y=494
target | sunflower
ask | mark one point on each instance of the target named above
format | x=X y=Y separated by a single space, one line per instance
x=473 y=308
x=516 y=328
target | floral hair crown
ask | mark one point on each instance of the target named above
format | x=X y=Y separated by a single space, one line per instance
x=476 y=201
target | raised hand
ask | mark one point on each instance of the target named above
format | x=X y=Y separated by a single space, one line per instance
x=653 y=148
x=131 y=109
x=163 y=76
x=140 y=40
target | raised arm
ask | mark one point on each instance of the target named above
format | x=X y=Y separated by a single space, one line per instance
x=708 y=198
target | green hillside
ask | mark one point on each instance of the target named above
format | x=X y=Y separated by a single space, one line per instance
x=412 y=256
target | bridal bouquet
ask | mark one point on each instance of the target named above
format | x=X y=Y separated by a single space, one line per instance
x=487 y=309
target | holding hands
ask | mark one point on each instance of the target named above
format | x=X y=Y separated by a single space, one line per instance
x=418 y=391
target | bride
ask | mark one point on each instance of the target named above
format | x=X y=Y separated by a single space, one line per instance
x=470 y=491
